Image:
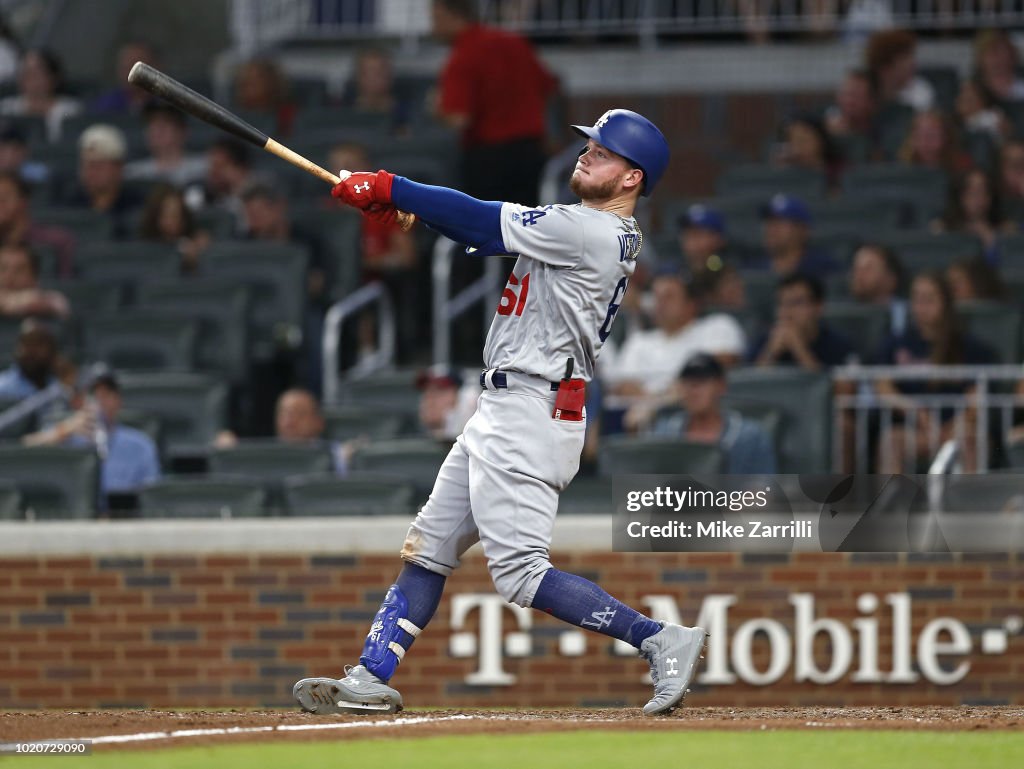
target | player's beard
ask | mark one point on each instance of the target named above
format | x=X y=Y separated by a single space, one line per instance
x=586 y=190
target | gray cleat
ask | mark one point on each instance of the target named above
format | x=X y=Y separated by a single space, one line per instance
x=360 y=691
x=673 y=653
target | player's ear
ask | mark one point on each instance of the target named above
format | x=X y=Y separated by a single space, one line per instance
x=634 y=179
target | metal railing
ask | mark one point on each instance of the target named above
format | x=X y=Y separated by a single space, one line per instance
x=375 y=293
x=447 y=308
x=257 y=23
x=871 y=426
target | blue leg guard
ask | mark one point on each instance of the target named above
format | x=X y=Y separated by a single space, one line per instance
x=391 y=634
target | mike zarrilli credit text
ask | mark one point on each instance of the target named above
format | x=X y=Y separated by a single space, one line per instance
x=721 y=530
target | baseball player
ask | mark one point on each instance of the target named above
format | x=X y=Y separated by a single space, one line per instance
x=500 y=483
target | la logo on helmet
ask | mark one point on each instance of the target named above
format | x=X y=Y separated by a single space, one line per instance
x=602 y=120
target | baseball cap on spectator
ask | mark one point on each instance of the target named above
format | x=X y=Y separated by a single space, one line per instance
x=438 y=376
x=102 y=375
x=704 y=217
x=12 y=133
x=783 y=206
x=702 y=366
x=103 y=142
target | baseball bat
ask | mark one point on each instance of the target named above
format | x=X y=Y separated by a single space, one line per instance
x=184 y=98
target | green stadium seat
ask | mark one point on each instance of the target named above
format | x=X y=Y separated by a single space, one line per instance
x=220 y=308
x=764 y=180
x=341 y=232
x=395 y=388
x=357 y=494
x=996 y=324
x=55 y=482
x=142 y=341
x=768 y=417
x=919 y=251
x=276 y=276
x=87 y=225
x=921 y=191
x=587 y=496
x=856 y=217
x=127 y=263
x=87 y=297
x=10 y=501
x=626 y=455
x=893 y=123
x=270 y=461
x=1011 y=251
x=946 y=83
x=417 y=459
x=203 y=497
x=805 y=401
x=864 y=325
x=191 y=407
x=347 y=422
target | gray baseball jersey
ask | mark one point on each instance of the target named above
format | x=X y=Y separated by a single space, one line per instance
x=565 y=289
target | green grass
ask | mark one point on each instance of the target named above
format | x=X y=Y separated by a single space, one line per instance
x=591 y=750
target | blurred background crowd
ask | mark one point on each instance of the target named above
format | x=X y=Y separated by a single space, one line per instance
x=831 y=278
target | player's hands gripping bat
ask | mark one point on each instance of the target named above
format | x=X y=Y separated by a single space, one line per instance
x=197 y=105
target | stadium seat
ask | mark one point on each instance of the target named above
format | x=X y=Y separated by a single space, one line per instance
x=54 y=481
x=990 y=493
x=343 y=121
x=864 y=325
x=89 y=298
x=87 y=225
x=276 y=276
x=805 y=401
x=768 y=417
x=995 y=324
x=10 y=501
x=340 y=230
x=127 y=263
x=357 y=494
x=9 y=329
x=919 y=251
x=221 y=309
x=142 y=341
x=587 y=496
x=1015 y=455
x=21 y=426
x=147 y=423
x=624 y=455
x=850 y=216
x=270 y=461
x=347 y=422
x=204 y=497
x=766 y=180
x=893 y=123
x=417 y=459
x=395 y=388
x=739 y=211
x=760 y=292
x=945 y=81
x=920 y=191
x=191 y=407
x=1011 y=251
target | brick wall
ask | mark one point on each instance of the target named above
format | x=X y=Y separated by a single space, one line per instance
x=238 y=630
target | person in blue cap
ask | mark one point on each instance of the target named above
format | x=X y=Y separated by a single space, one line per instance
x=702 y=239
x=785 y=233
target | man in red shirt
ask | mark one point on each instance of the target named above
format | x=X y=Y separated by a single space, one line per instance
x=494 y=90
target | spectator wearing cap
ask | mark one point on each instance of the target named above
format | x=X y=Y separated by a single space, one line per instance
x=18 y=228
x=702 y=239
x=101 y=187
x=877 y=277
x=40 y=86
x=799 y=336
x=785 y=229
x=649 y=360
x=298 y=420
x=15 y=157
x=129 y=457
x=165 y=140
x=447 y=401
x=20 y=294
x=700 y=387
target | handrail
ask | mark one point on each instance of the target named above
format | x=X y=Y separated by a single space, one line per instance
x=341 y=311
x=447 y=308
x=30 y=405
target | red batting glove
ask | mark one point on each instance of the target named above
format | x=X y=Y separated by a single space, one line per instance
x=382 y=213
x=362 y=189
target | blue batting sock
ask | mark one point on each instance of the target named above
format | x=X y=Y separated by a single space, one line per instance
x=422 y=589
x=580 y=602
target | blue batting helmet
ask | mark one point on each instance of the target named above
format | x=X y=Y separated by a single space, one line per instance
x=634 y=137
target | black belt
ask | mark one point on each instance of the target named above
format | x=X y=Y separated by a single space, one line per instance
x=501 y=381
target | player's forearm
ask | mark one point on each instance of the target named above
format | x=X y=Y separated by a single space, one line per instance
x=454 y=214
